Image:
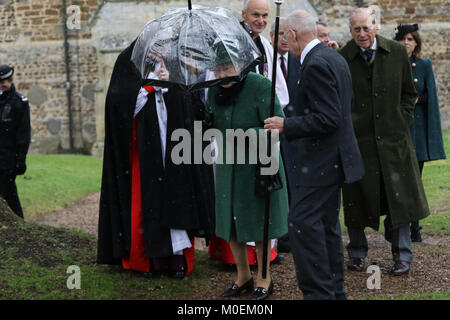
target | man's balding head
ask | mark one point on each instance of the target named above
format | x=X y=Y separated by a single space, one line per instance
x=302 y=30
x=302 y=21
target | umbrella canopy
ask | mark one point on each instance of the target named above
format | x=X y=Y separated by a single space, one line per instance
x=194 y=45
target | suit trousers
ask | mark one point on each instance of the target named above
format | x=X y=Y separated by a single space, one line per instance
x=400 y=239
x=8 y=191
x=316 y=242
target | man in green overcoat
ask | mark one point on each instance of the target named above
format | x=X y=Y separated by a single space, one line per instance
x=382 y=114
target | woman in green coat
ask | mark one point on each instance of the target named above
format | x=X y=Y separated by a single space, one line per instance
x=426 y=132
x=239 y=211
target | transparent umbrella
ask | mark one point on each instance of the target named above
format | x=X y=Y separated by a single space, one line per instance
x=191 y=44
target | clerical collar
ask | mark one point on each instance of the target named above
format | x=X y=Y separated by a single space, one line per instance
x=308 y=48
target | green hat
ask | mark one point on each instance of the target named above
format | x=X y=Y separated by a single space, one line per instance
x=225 y=52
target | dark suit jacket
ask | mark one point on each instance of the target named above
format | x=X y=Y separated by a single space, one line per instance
x=329 y=152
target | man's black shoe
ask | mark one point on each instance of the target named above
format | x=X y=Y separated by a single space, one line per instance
x=356 y=264
x=400 y=268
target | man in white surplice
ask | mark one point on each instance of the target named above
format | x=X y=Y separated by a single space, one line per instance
x=180 y=238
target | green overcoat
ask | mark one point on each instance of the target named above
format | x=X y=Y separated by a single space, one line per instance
x=238 y=209
x=382 y=114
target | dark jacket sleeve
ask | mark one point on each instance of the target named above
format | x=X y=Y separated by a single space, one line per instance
x=23 y=136
x=322 y=94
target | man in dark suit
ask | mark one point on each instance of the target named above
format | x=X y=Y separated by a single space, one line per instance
x=290 y=67
x=328 y=157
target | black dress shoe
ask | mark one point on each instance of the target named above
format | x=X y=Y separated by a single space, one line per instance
x=178 y=274
x=261 y=293
x=400 y=268
x=356 y=264
x=151 y=274
x=235 y=290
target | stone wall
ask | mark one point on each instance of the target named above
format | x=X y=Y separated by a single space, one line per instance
x=31 y=39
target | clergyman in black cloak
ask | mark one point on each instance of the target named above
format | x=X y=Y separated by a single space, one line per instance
x=172 y=196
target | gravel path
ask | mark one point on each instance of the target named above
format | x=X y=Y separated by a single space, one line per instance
x=430 y=271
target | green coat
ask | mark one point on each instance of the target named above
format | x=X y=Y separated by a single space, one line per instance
x=382 y=114
x=238 y=209
x=426 y=130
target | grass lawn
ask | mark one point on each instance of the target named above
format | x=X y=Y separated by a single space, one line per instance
x=54 y=181
x=34 y=260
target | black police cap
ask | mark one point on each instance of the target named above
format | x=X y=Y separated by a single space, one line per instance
x=6 y=72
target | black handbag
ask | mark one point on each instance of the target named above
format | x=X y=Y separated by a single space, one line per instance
x=266 y=183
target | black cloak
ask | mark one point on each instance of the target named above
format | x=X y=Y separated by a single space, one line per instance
x=174 y=196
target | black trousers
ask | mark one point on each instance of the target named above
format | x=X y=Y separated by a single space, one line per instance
x=8 y=191
x=316 y=242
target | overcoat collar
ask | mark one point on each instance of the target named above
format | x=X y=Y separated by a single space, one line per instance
x=354 y=50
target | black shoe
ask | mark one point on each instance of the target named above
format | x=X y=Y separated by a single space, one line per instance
x=261 y=293
x=235 y=290
x=279 y=259
x=178 y=274
x=151 y=274
x=416 y=236
x=356 y=264
x=400 y=268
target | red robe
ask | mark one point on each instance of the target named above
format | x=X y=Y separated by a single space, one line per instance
x=137 y=259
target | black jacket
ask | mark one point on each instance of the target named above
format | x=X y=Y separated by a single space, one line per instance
x=15 y=130
x=328 y=150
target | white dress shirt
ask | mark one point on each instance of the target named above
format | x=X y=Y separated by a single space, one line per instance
x=308 y=48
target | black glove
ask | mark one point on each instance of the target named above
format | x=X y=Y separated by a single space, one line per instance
x=20 y=169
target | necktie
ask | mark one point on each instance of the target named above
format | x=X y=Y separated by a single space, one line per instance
x=283 y=67
x=369 y=55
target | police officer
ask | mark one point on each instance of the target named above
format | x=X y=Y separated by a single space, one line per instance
x=15 y=135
